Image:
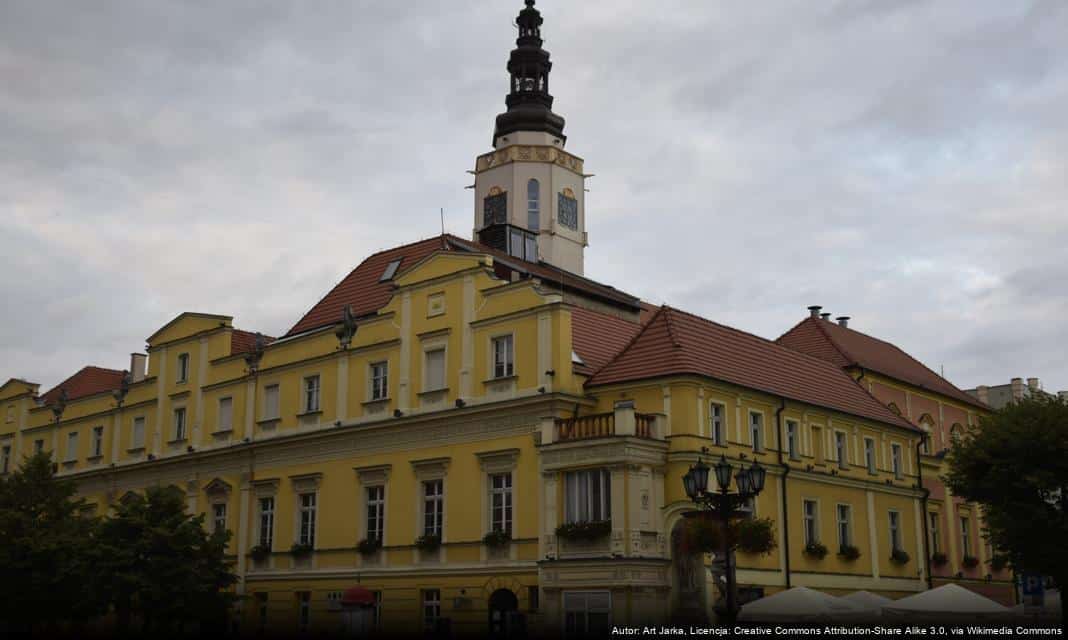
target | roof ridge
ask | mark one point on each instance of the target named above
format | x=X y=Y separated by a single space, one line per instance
x=641 y=331
x=783 y=347
x=834 y=343
x=671 y=327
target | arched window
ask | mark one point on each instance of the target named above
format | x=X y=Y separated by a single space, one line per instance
x=955 y=432
x=926 y=423
x=533 y=205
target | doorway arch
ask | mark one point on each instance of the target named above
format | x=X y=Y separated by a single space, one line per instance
x=502 y=604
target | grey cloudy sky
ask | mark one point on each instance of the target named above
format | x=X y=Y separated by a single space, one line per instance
x=900 y=162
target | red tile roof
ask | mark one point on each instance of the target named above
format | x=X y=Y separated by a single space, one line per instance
x=364 y=291
x=244 y=341
x=597 y=337
x=847 y=347
x=89 y=381
x=674 y=342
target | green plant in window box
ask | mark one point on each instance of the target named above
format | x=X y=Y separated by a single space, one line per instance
x=939 y=559
x=999 y=562
x=369 y=546
x=969 y=562
x=899 y=556
x=428 y=543
x=848 y=552
x=299 y=550
x=589 y=531
x=496 y=539
x=816 y=550
x=754 y=535
x=260 y=552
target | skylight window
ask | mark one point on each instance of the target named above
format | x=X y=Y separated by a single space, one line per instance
x=576 y=359
x=391 y=270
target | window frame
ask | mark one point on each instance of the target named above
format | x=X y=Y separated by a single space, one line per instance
x=569 y=609
x=870 y=456
x=933 y=518
x=505 y=368
x=507 y=499
x=137 y=435
x=893 y=521
x=807 y=519
x=97 y=442
x=374 y=392
x=378 y=504
x=5 y=458
x=390 y=271
x=579 y=508
x=275 y=390
x=219 y=515
x=436 y=502
x=793 y=449
x=756 y=431
x=225 y=401
x=841 y=448
x=265 y=522
x=307 y=534
x=533 y=205
x=966 y=534
x=180 y=419
x=427 y=351
x=430 y=607
x=845 y=526
x=717 y=422
x=311 y=393
x=182 y=372
x=71 y=454
x=896 y=460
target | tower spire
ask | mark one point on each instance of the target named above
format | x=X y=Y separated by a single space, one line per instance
x=529 y=101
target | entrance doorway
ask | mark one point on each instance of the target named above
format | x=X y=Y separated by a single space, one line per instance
x=503 y=607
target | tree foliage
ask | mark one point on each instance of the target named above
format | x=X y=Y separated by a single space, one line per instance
x=46 y=538
x=1015 y=465
x=748 y=535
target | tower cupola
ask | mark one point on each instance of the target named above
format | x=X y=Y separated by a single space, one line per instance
x=529 y=101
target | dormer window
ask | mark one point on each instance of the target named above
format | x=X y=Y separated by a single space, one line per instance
x=391 y=270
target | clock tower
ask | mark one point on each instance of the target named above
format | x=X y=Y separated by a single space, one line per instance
x=529 y=191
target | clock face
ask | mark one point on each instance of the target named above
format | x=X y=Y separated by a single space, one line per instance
x=567 y=211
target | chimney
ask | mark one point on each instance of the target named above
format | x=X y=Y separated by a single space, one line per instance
x=843 y=321
x=983 y=393
x=1032 y=384
x=814 y=311
x=1063 y=395
x=1017 y=388
x=137 y=366
x=826 y=316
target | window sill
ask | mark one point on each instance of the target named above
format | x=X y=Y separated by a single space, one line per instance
x=96 y=458
x=69 y=463
x=430 y=392
x=133 y=450
x=314 y=412
x=501 y=379
x=222 y=432
x=376 y=401
x=178 y=441
x=268 y=421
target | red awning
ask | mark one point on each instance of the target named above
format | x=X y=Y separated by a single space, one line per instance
x=358 y=596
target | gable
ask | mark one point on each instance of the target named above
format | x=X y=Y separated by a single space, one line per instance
x=185 y=325
x=15 y=387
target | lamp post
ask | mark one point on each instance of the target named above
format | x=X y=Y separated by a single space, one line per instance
x=723 y=505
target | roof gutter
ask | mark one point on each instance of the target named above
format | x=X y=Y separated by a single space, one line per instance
x=782 y=492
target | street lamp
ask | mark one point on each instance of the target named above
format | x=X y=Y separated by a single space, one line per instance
x=723 y=505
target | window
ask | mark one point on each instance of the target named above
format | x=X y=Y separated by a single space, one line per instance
x=533 y=598
x=431 y=608
x=809 y=514
x=817 y=443
x=218 y=517
x=840 y=449
x=869 y=455
x=895 y=531
x=376 y=513
x=715 y=427
x=501 y=502
x=791 y=439
x=226 y=414
x=895 y=459
x=503 y=357
x=756 y=430
x=72 y=446
x=10 y=417
x=589 y=495
x=137 y=437
x=533 y=206
x=183 y=367
x=433 y=507
x=966 y=535
x=936 y=537
x=495 y=209
x=179 y=424
x=587 y=613
x=38 y=446
x=376 y=614
x=98 y=442
x=568 y=211
x=311 y=394
x=379 y=380
x=435 y=370
x=845 y=535
x=267 y=522
x=522 y=244
x=304 y=604
x=306 y=530
x=270 y=402
x=5 y=459
x=390 y=271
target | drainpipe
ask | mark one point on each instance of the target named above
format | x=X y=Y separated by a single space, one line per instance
x=782 y=492
x=926 y=494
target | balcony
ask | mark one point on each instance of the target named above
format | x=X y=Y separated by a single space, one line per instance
x=623 y=422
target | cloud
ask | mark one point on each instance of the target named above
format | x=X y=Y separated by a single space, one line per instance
x=900 y=162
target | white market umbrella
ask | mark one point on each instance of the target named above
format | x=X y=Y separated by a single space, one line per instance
x=871 y=603
x=799 y=604
x=948 y=603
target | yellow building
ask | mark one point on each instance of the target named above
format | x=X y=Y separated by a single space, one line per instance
x=449 y=389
